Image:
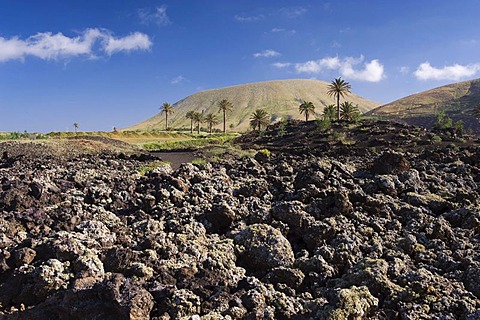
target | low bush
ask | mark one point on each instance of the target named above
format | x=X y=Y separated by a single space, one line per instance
x=151 y=166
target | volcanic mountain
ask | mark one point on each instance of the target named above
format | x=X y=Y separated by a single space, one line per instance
x=279 y=98
x=457 y=100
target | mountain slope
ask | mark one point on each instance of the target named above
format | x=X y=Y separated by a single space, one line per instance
x=279 y=98
x=457 y=100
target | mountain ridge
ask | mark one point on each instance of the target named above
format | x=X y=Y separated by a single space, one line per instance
x=457 y=100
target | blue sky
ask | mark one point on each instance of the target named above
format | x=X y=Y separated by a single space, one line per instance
x=106 y=64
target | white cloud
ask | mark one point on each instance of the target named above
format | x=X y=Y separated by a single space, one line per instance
x=309 y=67
x=454 y=72
x=278 y=30
x=48 y=46
x=373 y=71
x=134 y=41
x=11 y=49
x=266 y=54
x=317 y=66
x=158 y=16
x=178 y=79
x=281 y=65
x=249 y=18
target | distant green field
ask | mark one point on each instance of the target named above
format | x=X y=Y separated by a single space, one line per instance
x=190 y=143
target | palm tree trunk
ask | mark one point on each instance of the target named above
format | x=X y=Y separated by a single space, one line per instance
x=224 y=122
x=191 y=125
x=166 y=121
x=306 y=116
x=338 y=107
x=198 y=127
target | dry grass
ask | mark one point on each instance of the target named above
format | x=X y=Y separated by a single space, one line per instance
x=457 y=95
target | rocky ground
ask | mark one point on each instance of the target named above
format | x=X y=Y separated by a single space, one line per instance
x=333 y=232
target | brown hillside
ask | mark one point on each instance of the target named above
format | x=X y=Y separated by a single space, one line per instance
x=457 y=100
x=279 y=98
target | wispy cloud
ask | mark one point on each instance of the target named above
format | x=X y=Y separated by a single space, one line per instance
x=178 y=79
x=157 y=15
x=48 y=46
x=372 y=71
x=266 y=54
x=404 y=70
x=336 y=44
x=292 y=12
x=283 y=30
x=245 y=18
x=455 y=72
x=281 y=65
x=469 y=42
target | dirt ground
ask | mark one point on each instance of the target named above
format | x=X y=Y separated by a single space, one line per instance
x=176 y=158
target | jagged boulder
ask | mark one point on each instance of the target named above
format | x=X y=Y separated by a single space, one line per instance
x=263 y=247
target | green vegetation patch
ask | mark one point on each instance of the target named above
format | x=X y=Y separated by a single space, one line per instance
x=152 y=166
x=190 y=144
x=22 y=136
x=155 y=134
x=199 y=161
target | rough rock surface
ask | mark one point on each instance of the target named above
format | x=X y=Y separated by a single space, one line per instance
x=293 y=236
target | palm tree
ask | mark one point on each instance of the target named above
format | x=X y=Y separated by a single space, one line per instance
x=189 y=115
x=259 y=118
x=476 y=111
x=198 y=118
x=211 y=120
x=329 y=111
x=75 y=126
x=224 y=106
x=166 y=108
x=307 y=108
x=338 y=88
x=348 y=111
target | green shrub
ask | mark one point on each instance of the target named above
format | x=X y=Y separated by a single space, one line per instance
x=324 y=124
x=151 y=166
x=41 y=136
x=282 y=128
x=11 y=136
x=265 y=152
x=339 y=136
x=436 y=138
x=458 y=125
x=443 y=121
x=262 y=155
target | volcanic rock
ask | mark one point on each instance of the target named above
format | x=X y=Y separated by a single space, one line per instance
x=383 y=228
